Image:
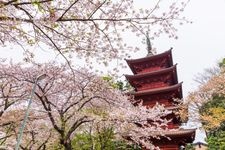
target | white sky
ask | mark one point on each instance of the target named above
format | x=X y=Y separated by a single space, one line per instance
x=200 y=44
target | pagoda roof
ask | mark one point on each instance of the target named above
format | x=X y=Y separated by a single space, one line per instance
x=158 y=72
x=179 y=132
x=186 y=135
x=150 y=58
x=159 y=90
x=176 y=132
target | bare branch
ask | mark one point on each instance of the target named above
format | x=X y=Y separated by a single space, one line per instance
x=97 y=9
x=61 y=17
x=76 y=125
x=31 y=3
x=6 y=3
x=57 y=48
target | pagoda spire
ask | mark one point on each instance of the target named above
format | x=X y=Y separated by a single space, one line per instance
x=149 y=45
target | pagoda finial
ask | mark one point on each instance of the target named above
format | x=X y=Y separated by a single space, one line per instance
x=149 y=46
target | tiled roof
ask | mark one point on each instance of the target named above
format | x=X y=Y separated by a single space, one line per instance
x=157 y=90
x=148 y=58
x=176 y=132
x=180 y=132
x=130 y=77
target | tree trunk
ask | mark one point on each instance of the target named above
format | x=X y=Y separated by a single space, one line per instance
x=66 y=144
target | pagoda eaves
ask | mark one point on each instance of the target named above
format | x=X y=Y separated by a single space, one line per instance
x=147 y=74
x=159 y=90
x=160 y=78
x=155 y=62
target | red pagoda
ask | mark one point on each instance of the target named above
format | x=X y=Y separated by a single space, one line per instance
x=155 y=81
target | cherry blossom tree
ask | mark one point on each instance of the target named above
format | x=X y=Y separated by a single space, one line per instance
x=9 y=91
x=12 y=97
x=69 y=105
x=37 y=135
x=89 y=28
x=210 y=96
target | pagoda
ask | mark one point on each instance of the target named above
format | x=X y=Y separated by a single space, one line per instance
x=155 y=81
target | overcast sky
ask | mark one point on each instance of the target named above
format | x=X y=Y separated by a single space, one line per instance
x=200 y=44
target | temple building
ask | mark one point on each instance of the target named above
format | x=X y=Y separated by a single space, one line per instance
x=154 y=81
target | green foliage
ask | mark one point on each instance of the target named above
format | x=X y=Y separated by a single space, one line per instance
x=216 y=134
x=56 y=146
x=189 y=147
x=212 y=113
x=82 y=141
x=216 y=140
x=38 y=5
x=103 y=140
x=97 y=111
x=222 y=63
x=217 y=101
x=117 y=84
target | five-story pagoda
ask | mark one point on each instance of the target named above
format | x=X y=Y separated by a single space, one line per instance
x=155 y=81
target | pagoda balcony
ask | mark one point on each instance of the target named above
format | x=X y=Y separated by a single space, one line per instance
x=164 y=95
x=152 y=80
